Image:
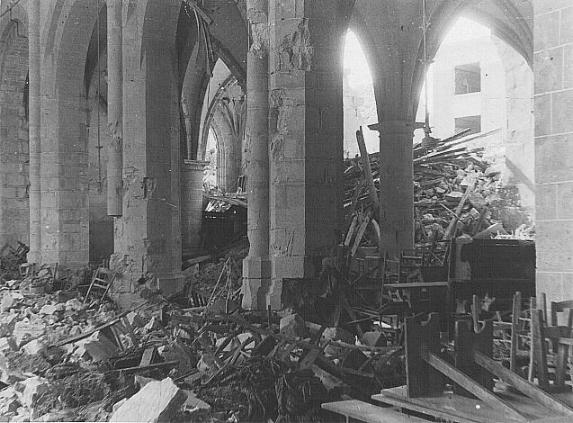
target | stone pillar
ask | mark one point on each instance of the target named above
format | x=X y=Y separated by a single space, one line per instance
x=396 y=186
x=192 y=204
x=35 y=254
x=553 y=100
x=306 y=130
x=257 y=266
x=148 y=234
x=14 y=141
x=115 y=105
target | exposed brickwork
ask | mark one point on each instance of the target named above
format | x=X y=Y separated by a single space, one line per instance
x=553 y=61
x=14 y=202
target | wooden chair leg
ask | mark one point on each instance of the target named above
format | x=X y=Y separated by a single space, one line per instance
x=516 y=312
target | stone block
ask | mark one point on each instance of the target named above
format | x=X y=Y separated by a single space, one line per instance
x=568 y=66
x=156 y=402
x=565 y=200
x=26 y=329
x=562 y=104
x=546 y=201
x=33 y=388
x=552 y=158
x=542 y=104
x=554 y=243
x=34 y=347
x=546 y=35
x=548 y=65
x=566 y=27
x=293 y=326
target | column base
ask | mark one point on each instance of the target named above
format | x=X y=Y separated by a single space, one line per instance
x=34 y=257
x=170 y=284
x=256 y=282
x=275 y=297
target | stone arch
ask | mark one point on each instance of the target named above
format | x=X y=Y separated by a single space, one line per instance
x=64 y=182
x=98 y=140
x=226 y=115
x=228 y=40
x=14 y=178
x=509 y=21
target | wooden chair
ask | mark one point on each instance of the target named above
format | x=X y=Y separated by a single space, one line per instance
x=560 y=338
x=102 y=280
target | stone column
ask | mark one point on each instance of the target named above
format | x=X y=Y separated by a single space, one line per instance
x=35 y=254
x=306 y=130
x=257 y=266
x=148 y=234
x=396 y=186
x=115 y=106
x=192 y=204
x=553 y=99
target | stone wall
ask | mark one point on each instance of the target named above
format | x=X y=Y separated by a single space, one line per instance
x=14 y=213
x=553 y=68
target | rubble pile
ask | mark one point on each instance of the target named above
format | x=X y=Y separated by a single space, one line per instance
x=66 y=359
x=452 y=184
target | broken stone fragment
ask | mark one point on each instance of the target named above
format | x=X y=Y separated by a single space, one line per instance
x=98 y=347
x=195 y=406
x=50 y=309
x=10 y=300
x=293 y=326
x=7 y=343
x=336 y=334
x=32 y=389
x=153 y=324
x=73 y=305
x=155 y=402
x=7 y=322
x=33 y=347
x=373 y=339
x=135 y=320
x=27 y=329
x=454 y=197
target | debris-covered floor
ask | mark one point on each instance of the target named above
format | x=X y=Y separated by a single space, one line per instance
x=66 y=359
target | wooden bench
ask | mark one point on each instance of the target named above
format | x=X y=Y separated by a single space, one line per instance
x=365 y=412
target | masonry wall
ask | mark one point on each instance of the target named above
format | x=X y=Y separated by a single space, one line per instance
x=553 y=67
x=14 y=213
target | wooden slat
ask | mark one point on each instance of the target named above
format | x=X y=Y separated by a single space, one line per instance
x=455 y=408
x=522 y=385
x=539 y=348
x=470 y=385
x=516 y=311
x=369 y=413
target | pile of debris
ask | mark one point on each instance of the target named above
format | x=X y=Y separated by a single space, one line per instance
x=65 y=358
x=456 y=191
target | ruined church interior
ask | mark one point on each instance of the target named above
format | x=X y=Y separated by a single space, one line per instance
x=286 y=211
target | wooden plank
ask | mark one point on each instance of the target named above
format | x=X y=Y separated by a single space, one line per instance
x=470 y=385
x=360 y=235
x=422 y=380
x=369 y=413
x=147 y=357
x=454 y=408
x=522 y=385
x=563 y=353
x=516 y=312
x=367 y=169
x=351 y=231
x=468 y=342
x=539 y=348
